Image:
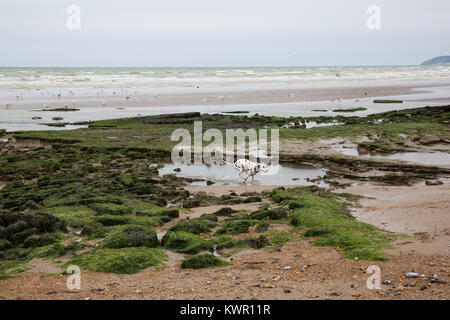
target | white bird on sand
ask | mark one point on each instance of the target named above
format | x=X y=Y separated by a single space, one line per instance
x=221 y=97
x=291 y=95
x=103 y=103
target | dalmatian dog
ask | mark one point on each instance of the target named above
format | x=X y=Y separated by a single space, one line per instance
x=247 y=168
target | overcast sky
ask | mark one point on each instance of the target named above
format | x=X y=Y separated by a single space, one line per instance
x=174 y=33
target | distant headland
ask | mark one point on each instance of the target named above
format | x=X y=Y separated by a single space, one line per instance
x=437 y=60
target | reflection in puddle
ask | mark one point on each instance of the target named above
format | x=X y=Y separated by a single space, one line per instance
x=428 y=158
x=308 y=124
x=288 y=174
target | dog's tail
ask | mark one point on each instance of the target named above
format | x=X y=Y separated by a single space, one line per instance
x=228 y=163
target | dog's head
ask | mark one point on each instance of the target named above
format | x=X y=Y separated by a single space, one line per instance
x=262 y=168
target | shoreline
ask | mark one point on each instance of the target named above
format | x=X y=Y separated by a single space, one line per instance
x=188 y=97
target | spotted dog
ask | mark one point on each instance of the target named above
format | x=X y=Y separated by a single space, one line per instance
x=247 y=167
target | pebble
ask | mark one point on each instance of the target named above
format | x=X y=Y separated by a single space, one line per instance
x=411 y=274
x=432 y=280
x=262 y=280
x=412 y=284
x=287 y=268
x=423 y=287
x=432 y=264
x=287 y=291
x=356 y=259
x=387 y=282
x=208 y=282
x=327 y=298
x=335 y=293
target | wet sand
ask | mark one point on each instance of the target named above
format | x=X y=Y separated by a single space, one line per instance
x=222 y=96
x=422 y=212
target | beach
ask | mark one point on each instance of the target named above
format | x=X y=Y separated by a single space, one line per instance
x=361 y=183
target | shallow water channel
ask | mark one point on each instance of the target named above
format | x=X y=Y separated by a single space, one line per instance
x=428 y=158
x=287 y=174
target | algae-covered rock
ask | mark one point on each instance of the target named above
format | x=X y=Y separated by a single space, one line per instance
x=252 y=199
x=203 y=261
x=223 y=242
x=184 y=242
x=196 y=226
x=125 y=260
x=172 y=212
x=263 y=226
x=233 y=226
x=110 y=209
x=257 y=242
x=108 y=220
x=39 y=241
x=132 y=236
x=5 y=244
x=296 y=205
x=225 y=212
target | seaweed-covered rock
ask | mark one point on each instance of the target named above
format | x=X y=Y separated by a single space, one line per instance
x=108 y=220
x=225 y=212
x=122 y=261
x=196 y=226
x=296 y=205
x=252 y=199
x=203 y=261
x=235 y=226
x=5 y=244
x=39 y=241
x=132 y=236
x=278 y=214
x=110 y=209
x=184 y=242
x=263 y=226
x=257 y=242
x=171 y=212
x=223 y=242
x=19 y=237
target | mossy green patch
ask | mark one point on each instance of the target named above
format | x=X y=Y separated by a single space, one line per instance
x=39 y=241
x=124 y=261
x=184 y=242
x=197 y=226
x=203 y=261
x=328 y=220
x=9 y=269
x=131 y=236
x=110 y=209
x=75 y=216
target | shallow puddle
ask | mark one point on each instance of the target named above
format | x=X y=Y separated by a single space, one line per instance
x=428 y=158
x=287 y=174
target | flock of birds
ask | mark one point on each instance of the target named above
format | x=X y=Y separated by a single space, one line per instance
x=128 y=97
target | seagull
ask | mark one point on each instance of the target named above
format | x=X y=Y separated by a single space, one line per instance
x=103 y=103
